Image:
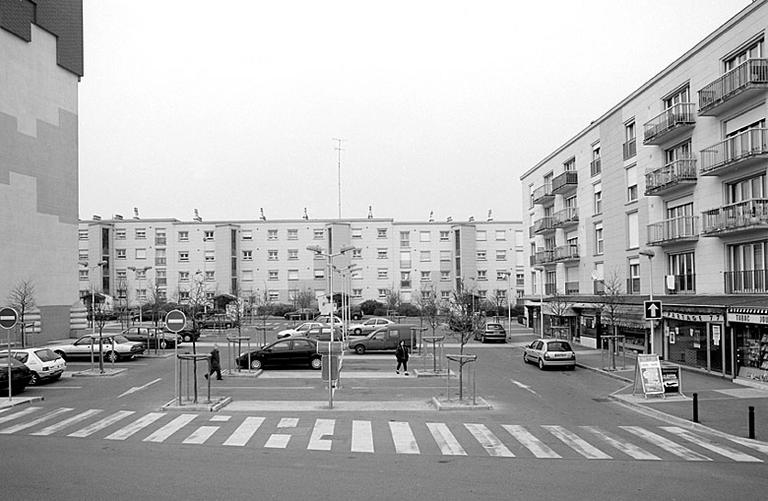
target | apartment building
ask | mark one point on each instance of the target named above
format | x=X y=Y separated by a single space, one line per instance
x=41 y=61
x=144 y=258
x=665 y=194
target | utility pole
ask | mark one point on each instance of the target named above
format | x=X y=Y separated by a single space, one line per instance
x=339 y=149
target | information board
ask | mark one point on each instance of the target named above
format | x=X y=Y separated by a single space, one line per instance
x=648 y=372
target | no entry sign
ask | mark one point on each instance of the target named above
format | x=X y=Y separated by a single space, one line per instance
x=175 y=320
x=8 y=318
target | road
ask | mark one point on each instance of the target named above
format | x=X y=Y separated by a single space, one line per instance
x=549 y=434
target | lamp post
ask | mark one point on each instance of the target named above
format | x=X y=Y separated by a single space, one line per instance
x=345 y=272
x=509 y=307
x=649 y=254
x=93 y=313
x=540 y=269
x=140 y=273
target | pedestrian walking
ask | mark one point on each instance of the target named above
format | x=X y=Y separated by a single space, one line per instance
x=214 y=363
x=401 y=354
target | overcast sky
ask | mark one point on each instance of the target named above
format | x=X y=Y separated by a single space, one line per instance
x=228 y=107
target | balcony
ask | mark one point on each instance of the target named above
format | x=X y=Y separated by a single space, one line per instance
x=543 y=194
x=670 y=123
x=751 y=215
x=734 y=87
x=683 y=284
x=742 y=150
x=160 y=261
x=565 y=183
x=568 y=252
x=544 y=225
x=630 y=148
x=550 y=289
x=566 y=217
x=544 y=257
x=633 y=285
x=672 y=177
x=161 y=241
x=594 y=167
x=746 y=282
x=571 y=288
x=675 y=230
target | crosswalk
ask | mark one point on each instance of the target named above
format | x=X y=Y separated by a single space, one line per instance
x=382 y=436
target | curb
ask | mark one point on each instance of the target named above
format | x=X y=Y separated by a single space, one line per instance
x=604 y=372
x=481 y=405
x=19 y=401
x=213 y=406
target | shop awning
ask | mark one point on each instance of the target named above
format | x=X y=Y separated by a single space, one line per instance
x=751 y=310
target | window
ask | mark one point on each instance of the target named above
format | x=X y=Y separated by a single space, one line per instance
x=183 y=276
x=381 y=253
x=482 y=293
x=747 y=189
x=183 y=236
x=426 y=276
x=501 y=255
x=247 y=275
x=210 y=276
x=293 y=234
x=318 y=233
x=599 y=238
x=630 y=140
x=480 y=236
x=425 y=256
x=445 y=295
x=445 y=236
x=594 y=165
x=357 y=233
x=598 y=198
x=121 y=274
x=183 y=295
x=140 y=233
x=207 y=235
x=272 y=255
x=247 y=255
x=293 y=274
x=425 y=236
x=382 y=292
x=445 y=255
x=752 y=51
x=481 y=255
x=210 y=255
x=141 y=294
x=357 y=253
x=141 y=253
x=633 y=283
x=381 y=233
x=681 y=96
x=82 y=255
x=141 y=274
x=501 y=235
x=272 y=275
x=82 y=234
x=682 y=268
x=183 y=256
x=405 y=279
x=247 y=234
x=319 y=273
x=83 y=274
x=482 y=274
x=274 y=296
x=293 y=254
x=271 y=234
x=631 y=174
x=381 y=273
x=501 y=293
x=356 y=275
x=405 y=239
x=569 y=165
x=357 y=292
x=633 y=233
x=445 y=275
x=501 y=275
x=120 y=234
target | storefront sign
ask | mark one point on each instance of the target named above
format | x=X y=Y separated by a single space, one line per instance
x=670 y=375
x=693 y=317
x=748 y=318
x=716 y=335
x=648 y=371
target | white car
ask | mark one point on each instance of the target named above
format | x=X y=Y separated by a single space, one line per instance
x=114 y=346
x=550 y=353
x=370 y=325
x=43 y=363
x=300 y=330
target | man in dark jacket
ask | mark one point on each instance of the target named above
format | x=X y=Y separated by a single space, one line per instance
x=215 y=363
x=401 y=354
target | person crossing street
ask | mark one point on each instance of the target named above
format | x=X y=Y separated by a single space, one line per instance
x=401 y=354
x=214 y=363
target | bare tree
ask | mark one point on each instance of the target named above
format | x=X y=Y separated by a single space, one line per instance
x=464 y=319
x=612 y=307
x=304 y=299
x=558 y=305
x=196 y=302
x=429 y=306
x=392 y=300
x=22 y=299
x=123 y=311
x=157 y=299
x=264 y=310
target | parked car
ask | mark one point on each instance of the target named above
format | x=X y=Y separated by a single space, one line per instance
x=323 y=333
x=356 y=314
x=114 y=346
x=20 y=375
x=493 y=331
x=369 y=326
x=550 y=353
x=43 y=363
x=291 y=352
x=385 y=338
x=327 y=319
x=217 y=322
x=302 y=314
x=299 y=330
x=152 y=337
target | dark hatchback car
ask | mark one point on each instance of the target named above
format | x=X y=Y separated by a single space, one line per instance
x=152 y=338
x=288 y=352
x=20 y=375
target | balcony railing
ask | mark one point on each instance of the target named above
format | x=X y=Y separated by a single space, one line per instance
x=160 y=261
x=543 y=225
x=544 y=256
x=161 y=241
x=550 y=289
x=674 y=230
x=669 y=123
x=749 y=75
x=747 y=215
x=598 y=287
x=747 y=281
x=566 y=217
x=633 y=285
x=565 y=182
x=746 y=147
x=594 y=167
x=630 y=149
x=672 y=175
x=567 y=252
x=543 y=194
x=571 y=288
x=684 y=284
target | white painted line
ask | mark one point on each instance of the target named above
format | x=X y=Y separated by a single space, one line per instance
x=533 y=444
x=138 y=388
x=50 y=430
x=322 y=428
x=169 y=429
x=35 y=422
x=523 y=386
x=402 y=436
x=752 y=444
x=220 y=418
x=492 y=445
x=200 y=435
x=322 y=405
x=447 y=442
x=362 y=436
x=666 y=444
x=10 y=417
x=576 y=443
x=245 y=431
x=278 y=441
x=288 y=422
x=136 y=426
x=718 y=449
x=100 y=425
x=627 y=448
x=58 y=387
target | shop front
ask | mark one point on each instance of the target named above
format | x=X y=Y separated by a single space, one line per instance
x=697 y=338
x=750 y=331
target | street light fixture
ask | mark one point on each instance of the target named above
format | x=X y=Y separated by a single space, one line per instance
x=540 y=269
x=649 y=254
x=508 y=273
x=139 y=277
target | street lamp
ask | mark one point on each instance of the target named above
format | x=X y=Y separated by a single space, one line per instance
x=140 y=273
x=345 y=311
x=540 y=269
x=93 y=314
x=508 y=273
x=649 y=254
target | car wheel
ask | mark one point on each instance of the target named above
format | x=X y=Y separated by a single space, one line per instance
x=255 y=364
x=61 y=354
x=541 y=363
x=316 y=363
x=56 y=377
x=360 y=349
x=525 y=358
x=112 y=356
x=358 y=331
x=187 y=338
x=35 y=379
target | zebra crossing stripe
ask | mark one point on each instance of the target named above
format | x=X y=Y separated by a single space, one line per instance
x=666 y=444
x=488 y=440
x=447 y=442
x=627 y=448
x=718 y=449
x=170 y=428
x=11 y=417
x=362 y=436
x=752 y=444
x=244 y=432
x=278 y=441
x=576 y=443
x=34 y=422
x=200 y=435
x=533 y=444
x=322 y=428
x=288 y=422
x=100 y=425
x=135 y=427
x=50 y=430
x=402 y=436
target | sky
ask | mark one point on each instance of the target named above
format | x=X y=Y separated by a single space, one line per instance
x=231 y=107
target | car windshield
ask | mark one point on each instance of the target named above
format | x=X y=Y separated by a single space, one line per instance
x=46 y=355
x=493 y=327
x=559 y=346
x=4 y=361
x=120 y=339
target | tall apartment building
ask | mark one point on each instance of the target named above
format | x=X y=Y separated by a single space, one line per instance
x=41 y=62
x=678 y=168
x=249 y=258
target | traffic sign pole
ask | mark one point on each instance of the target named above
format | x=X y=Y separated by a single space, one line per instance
x=8 y=318
x=175 y=321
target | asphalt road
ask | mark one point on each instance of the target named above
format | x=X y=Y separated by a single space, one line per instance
x=549 y=434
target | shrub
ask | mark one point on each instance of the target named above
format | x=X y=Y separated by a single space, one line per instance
x=408 y=310
x=371 y=306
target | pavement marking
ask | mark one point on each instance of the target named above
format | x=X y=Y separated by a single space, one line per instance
x=533 y=444
x=100 y=425
x=138 y=388
x=244 y=432
x=524 y=386
x=322 y=405
x=58 y=387
x=488 y=440
x=447 y=442
x=278 y=441
x=135 y=426
x=402 y=437
x=288 y=422
x=627 y=448
x=362 y=436
x=35 y=422
x=745 y=393
x=10 y=417
x=576 y=443
x=718 y=449
x=50 y=430
x=322 y=428
x=752 y=444
x=666 y=444
x=170 y=428
x=220 y=418
x=200 y=435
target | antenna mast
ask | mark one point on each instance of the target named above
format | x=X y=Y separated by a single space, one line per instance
x=339 y=149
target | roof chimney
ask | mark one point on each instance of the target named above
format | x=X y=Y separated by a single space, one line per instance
x=136 y=213
x=449 y=220
x=96 y=217
x=431 y=216
x=305 y=216
x=490 y=214
x=471 y=219
x=197 y=217
x=262 y=217
x=370 y=212
x=118 y=217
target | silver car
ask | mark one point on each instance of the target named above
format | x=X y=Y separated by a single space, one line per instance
x=550 y=353
x=114 y=346
x=370 y=325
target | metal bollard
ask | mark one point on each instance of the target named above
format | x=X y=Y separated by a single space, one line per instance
x=751 y=422
x=695 y=407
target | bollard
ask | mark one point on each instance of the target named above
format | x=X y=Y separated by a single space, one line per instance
x=695 y=407
x=751 y=422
